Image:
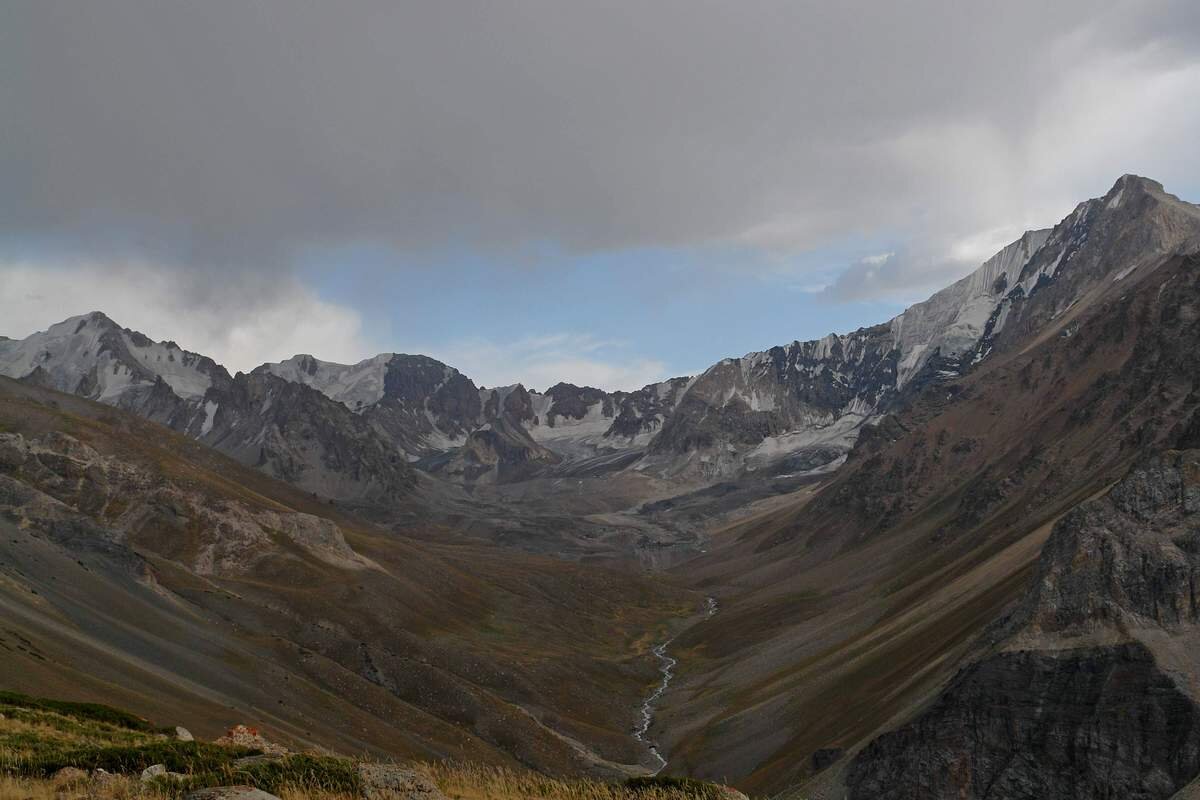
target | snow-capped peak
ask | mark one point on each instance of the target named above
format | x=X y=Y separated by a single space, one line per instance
x=356 y=386
x=91 y=355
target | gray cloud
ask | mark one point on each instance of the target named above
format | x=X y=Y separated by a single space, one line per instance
x=218 y=133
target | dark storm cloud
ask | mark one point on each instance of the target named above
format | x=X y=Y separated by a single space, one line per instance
x=211 y=133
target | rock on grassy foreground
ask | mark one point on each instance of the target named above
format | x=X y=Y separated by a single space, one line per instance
x=54 y=750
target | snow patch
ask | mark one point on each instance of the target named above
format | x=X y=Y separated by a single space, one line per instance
x=356 y=386
x=1125 y=272
x=210 y=415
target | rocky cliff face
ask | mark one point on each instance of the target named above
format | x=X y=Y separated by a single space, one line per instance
x=1103 y=242
x=1090 y=686
x=765 y=406
x=1093 y=722
x=297 y=434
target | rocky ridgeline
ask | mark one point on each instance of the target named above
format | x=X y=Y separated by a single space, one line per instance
x=350 y=431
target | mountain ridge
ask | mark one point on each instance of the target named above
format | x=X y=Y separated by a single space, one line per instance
x=794 y=401
x=990 y=495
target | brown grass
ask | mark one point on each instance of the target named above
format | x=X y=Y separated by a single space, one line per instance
x=457 y=782
x=479 y=782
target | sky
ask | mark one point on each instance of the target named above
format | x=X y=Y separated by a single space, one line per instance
x=607 y=193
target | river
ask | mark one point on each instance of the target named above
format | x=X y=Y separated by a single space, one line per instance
x=666 y=666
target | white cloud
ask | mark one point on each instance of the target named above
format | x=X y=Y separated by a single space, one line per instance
x=954 y=189
x=539 y=362
x=239 y=326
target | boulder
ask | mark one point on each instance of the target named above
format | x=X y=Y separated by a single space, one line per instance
x=230 y=793
x=183 y=734
x=243 y=736
x=160 y=771
x=393 y=782
x=102 y=776
x=67 y=776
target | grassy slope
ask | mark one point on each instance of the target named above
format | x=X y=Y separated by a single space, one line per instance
x=38 y=738
x=453 y=649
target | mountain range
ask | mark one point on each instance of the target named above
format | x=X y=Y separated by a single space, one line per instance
x=954 y=554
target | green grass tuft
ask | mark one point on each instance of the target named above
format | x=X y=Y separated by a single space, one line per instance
x=95 y=712
x=321 y=775
x=190 y=757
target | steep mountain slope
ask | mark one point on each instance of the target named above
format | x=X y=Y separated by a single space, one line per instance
x=287 y=430
x=1091 y=685
x=813 y=397
x=93 y=357
x=138 y=565
x=865 y=595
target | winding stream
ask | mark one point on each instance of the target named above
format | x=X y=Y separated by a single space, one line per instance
x=666 y=666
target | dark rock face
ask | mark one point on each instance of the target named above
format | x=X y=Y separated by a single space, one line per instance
x=1090 y=711
x=647 y=409
x=574 y=401
x=514 y=403
x=1129 y=558
x=499 y=451
x=417 y=383
x=1096 y=722
x=295 y=433
x=828 y=386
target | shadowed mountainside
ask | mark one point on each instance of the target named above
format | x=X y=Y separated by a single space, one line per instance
x=864 y=595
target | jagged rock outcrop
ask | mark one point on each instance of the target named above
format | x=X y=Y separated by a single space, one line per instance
x=1127 y=562
x=1092 y=722
x=1090 y=687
